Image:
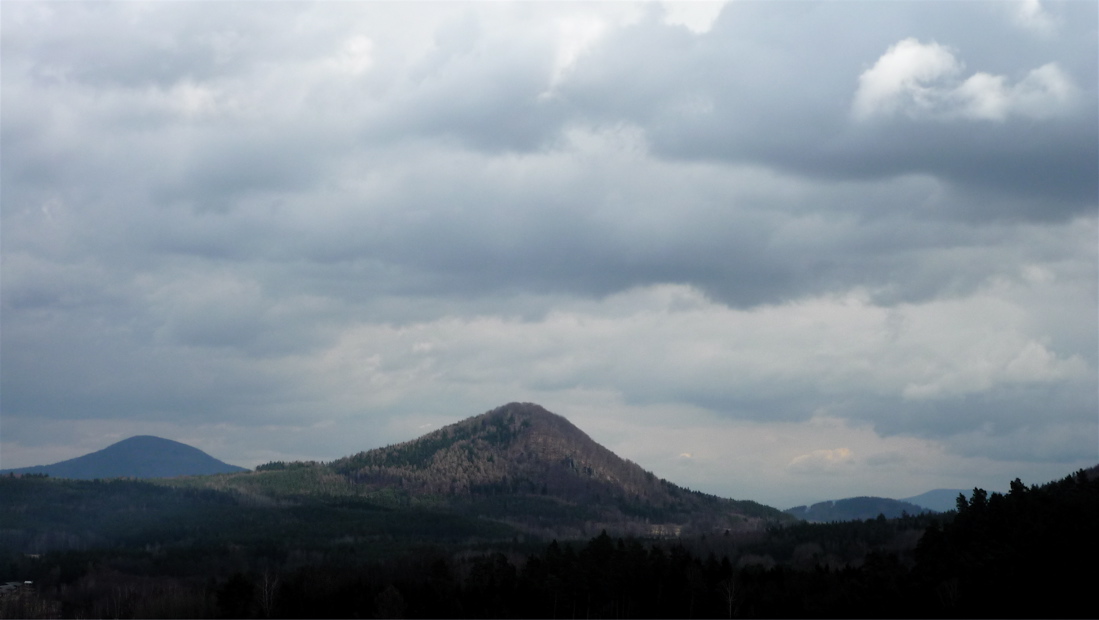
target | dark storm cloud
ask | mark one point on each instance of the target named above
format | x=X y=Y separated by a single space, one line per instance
x=470 y=90
x=771 y=85
x=1013 y=418
x=94 y=43
x=733 y=93
x=221 y=170
x=68 y=366
x=462 y=233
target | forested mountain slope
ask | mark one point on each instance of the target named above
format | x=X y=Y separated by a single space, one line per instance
x=525 y=465
x=514 y=448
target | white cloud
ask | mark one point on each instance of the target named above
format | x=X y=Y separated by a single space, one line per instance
x=1044 y=92
x=575 y=35
x=578 y=32
x=904 y=77
x=1030 y=14
x=670 y=343
x=822 y=460
x=697 y=16
x=923 y=81
x=193 y=99
x=355 y=57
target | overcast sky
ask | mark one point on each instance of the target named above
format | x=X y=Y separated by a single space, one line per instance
x=781 y=251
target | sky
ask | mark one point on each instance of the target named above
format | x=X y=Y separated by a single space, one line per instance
x=779 y=251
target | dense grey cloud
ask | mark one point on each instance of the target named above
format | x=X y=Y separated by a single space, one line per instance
x=301 y=230
x=784 y=106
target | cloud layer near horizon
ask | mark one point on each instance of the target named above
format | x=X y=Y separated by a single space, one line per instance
x=303 y=230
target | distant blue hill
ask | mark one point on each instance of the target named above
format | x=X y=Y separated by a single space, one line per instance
x=855 y=508
x=143 y=456
x=939 y=500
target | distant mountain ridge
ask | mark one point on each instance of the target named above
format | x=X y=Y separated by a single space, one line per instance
x=142 y=456
x=865 y=507
x=855 y=508
x=940 y=500
x=531 y=467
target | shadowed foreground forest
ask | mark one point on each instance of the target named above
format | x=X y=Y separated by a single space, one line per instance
x=126 y=549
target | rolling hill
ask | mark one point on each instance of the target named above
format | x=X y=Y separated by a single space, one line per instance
x=143 y=456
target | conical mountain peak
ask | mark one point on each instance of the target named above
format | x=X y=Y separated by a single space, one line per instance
x=522 y=454
x=521 y=443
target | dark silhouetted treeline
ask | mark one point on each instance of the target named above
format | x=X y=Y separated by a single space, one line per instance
x=1026 y=553
x=1029 y=553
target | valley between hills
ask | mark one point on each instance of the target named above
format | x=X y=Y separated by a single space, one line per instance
x=512 y=513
